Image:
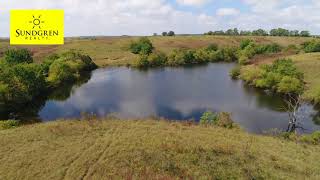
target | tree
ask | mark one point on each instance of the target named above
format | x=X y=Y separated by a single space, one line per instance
x=259 y=32
x=164 y=33
x=305 y=33
x=294 y=33
x=171 y=33
x=142 y=46
x=292 y=104
x=245 y=33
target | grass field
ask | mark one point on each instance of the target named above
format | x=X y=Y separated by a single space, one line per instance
x=149 y=149
x=309 y=64
x=112 y=51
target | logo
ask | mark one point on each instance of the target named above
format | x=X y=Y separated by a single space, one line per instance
x=36 y=27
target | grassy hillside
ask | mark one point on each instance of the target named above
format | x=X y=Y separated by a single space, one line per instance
x=309 y=64
x=112 y=51
x=149 y=149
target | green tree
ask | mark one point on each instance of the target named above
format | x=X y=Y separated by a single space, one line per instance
x=171 y=33
x=142 y=46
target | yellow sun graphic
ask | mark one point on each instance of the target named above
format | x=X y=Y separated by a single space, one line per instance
x=36 y=22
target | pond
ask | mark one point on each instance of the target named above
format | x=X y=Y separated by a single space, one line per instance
x=174 y=93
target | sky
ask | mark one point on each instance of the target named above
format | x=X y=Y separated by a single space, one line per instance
x=145 y=17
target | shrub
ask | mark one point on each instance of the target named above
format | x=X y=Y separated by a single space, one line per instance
x=16 y=56
x=244 y=43
x=157 y=59
x=202 y=55
x=20 y=83
x=224 y=120
x=229 y=54
x=142 y=61
x=142 y=46
x=311 y=46
x=314 y=138
x=8 y=124
x=67 y=67
x=281 y=76
x=181 y=57
x=290 y=84
x=60 y=72
x=208 y=118
x=268 y=48
x=251 y=73
x=235 y=72
x=212 y=47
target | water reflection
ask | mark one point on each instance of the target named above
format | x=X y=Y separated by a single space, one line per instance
x=29 y=112
x=174 y=93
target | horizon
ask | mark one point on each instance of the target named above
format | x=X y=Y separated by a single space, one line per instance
x=142 y=17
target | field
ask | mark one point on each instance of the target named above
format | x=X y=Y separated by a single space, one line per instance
x=149 y=149
x=113 y=51
x=309 y=64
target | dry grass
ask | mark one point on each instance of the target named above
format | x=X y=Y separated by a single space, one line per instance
x=309 y=64
x=112 y=51
x=149 y=149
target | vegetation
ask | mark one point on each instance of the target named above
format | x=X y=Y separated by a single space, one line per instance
x=148 y=149
x=261 y=32
x=222 y=119
x=281 y=76
x=309 y=65
x=170 y=33
x=311 y=46
x=248 y=49
x=235 y=72
x=8 y=124
x=142 y=46
x=21 y=80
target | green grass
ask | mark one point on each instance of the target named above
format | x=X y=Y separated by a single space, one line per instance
x=112 y=51
x=309 y=64
x=149 y=149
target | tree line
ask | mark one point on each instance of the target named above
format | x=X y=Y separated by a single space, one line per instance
x=261 y=32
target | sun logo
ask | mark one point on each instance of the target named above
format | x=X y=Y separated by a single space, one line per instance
x=36 y=22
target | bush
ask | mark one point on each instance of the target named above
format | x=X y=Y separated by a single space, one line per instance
x=16 y=56
x=157 y=59
x=60 y=72
x=67 y=67
x=224 y=120
x=142 y=46
x=314 y=138
x=235 y=72
x=212 y=47
x=290 y=84
x=281 y=76
x=311 y=46
x=268 y=48
x=229 y=54
x=244 y=43
x=251 y=73
x=142 y=61
x=8 y=124
x=208 y=118
x=181 y=57
x=20 y=83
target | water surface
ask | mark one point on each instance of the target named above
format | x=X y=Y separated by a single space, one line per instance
x=174 y=93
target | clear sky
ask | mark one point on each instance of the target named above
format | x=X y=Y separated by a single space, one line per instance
x=144 y=17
